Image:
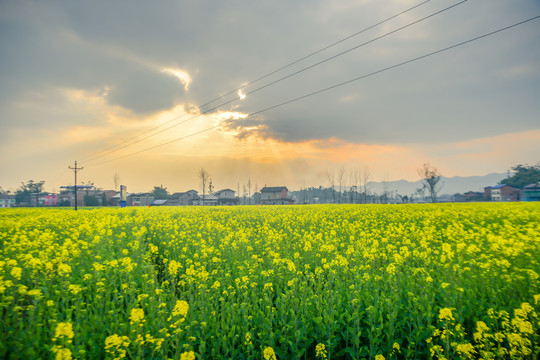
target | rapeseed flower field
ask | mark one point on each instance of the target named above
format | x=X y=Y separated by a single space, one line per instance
x=444 y=281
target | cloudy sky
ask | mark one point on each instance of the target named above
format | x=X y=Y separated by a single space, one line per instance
x=93 y=81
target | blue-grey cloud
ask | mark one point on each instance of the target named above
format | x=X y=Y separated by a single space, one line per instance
x=487 y=87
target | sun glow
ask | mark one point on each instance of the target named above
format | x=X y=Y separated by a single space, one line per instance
x=229 y=115
x=241 y=95
x=180 y=74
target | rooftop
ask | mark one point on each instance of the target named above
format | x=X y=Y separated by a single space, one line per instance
x=274 y=189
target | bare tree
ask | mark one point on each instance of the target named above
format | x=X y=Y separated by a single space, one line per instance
x=420 y=192
x=204 y=176
x=355 y=177
x=256 y=189
x=385 y=194
x=302 y=192
x=116 y=181
x=249 y=190
x=210 y=187
x=365 y=178
x=431 y=177
x=332 y=181
x=341 y=178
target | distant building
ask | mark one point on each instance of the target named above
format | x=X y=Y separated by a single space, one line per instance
x=531 y=192
x=7 y=200
x=473 y=196
x=256 y=198
x=209 y=200
x=108 y=195
x=67 y=195
x=190 y=197
x=278 y=195
x=459 y=198
x=487 y=193
x=503 y=192
x=140 y=199
x=43 y=199
x=226 y=197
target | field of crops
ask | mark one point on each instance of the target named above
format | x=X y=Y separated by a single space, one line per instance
x=452 y=281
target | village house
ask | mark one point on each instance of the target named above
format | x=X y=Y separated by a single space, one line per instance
x=43 y=199
x=190 y=197
x=503 y=192
x=7 y=200
x=278 y=195
x=473 y=196
x=459 y=198
x=107 y=196
x=226 y=197
x=140 y=199
x=531 y=192
x=208 y=200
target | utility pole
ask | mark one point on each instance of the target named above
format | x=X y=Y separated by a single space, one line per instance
x=75 y=169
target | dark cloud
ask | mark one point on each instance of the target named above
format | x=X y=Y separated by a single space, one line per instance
x=481 y=89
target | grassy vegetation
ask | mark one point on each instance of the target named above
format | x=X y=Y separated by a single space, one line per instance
x=337 y=282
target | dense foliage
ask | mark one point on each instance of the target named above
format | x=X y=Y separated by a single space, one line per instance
x=523 y=175
x=336 y=282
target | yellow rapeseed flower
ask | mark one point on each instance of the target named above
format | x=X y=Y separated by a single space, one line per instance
x=248 y=339
x=137 y=315
x=16 y=272
x=173 y=267
x=64 y=329
x=62 y=353
x=116 y=345
x=446 y=314
x=269 y=354
x=64 y=269
x=188 y=355
x=181 y=308
x=466 y=349
x=321 y=351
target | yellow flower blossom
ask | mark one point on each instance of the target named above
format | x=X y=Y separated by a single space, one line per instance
x=137 y=316
x=269 y=354
x=173 y=267
x=62 y=353
x=64 y=269
x=180 y=308
x=247 y=340
x=321 y=351
x=189 y=355
x=16 y=272
x=116 y=345
x=64 y=329
x=446 y=314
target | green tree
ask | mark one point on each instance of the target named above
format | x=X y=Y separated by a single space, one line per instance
x=31 y=187
x=523 y=175
x=160 y=192
x=91 y=200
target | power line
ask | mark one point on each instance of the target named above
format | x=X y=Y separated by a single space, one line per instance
x=357 y=47
x=335 y=86
x=394 y=66
x=315 y=52
x=75 y=170
x=284 y=77
x=258 y=79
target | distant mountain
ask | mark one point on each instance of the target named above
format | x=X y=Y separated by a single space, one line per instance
x=450 y=185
